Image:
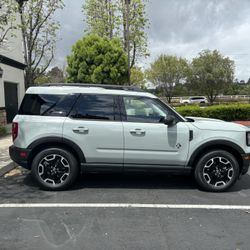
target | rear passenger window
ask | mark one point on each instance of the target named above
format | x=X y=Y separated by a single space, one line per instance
x=47 y=105
x=97 y=107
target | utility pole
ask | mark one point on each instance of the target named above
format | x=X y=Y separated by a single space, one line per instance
x=127 y=2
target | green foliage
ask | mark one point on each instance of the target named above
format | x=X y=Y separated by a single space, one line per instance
x=137 y=77
x=55 y=75
x=3 y=130
x=166 y=72
x=97 y=60
x=101 y=17
x=108 y=19
x=231 y=112
x=211 y=73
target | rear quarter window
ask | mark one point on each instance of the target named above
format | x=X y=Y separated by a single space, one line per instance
x=47 y=104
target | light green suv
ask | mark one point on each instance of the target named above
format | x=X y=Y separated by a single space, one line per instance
x=63 y=130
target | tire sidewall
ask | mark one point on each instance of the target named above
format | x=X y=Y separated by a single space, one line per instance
x=200 y=166
x=74 y=170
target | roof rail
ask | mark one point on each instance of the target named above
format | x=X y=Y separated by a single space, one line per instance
x=89 y=85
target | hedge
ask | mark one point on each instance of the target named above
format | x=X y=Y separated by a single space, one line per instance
x=3 y=130
x=230 y=112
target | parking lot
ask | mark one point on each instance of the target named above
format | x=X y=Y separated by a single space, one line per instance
x=132 y=211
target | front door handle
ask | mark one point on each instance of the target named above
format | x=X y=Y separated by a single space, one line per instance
x=81 y=130
x=137 y=131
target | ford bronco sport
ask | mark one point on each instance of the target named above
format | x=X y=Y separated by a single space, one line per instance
x=63 y=130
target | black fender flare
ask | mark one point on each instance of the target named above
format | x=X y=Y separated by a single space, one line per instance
x=216 y=144
x=59 y=141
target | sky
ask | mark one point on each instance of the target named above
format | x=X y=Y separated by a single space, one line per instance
x=177 y=27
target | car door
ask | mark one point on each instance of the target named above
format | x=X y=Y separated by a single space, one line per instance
x=95 y=126
x=147 y=140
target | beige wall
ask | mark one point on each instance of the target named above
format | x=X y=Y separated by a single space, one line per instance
x=11 y=74
x=13 y=47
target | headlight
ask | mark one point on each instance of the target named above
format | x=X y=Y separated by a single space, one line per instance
x=248 y=138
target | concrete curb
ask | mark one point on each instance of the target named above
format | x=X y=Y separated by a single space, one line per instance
x=7 y=168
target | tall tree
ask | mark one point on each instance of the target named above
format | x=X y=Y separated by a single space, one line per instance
x=212 y=73
x=134 y=29
x=168 y=71
x=101 y=17
x=39 y=36
x=7 y=20
x=110 y=18
x=97 y=60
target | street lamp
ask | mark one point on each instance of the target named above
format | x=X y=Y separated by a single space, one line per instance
x=127 y=2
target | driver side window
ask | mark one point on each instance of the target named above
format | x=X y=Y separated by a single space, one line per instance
x=142 y=109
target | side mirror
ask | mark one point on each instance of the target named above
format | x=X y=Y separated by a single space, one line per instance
x=169 y=120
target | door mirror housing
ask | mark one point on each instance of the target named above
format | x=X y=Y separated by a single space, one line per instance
x=169 y=120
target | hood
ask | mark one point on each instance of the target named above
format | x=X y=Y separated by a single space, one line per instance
x=216 y=124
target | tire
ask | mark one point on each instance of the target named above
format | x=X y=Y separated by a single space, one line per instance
x=216 y=171
x=55 y=169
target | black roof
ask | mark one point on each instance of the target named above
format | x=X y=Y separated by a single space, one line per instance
x=88 y=85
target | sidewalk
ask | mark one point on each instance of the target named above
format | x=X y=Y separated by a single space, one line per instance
x=5 y=142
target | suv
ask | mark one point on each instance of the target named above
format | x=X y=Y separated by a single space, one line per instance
x=61 y=131
x=194 y=99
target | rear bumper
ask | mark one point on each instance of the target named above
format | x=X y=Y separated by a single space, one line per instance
x=19 y=156
x=246 y=163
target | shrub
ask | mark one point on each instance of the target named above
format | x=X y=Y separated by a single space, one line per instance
x=231 y=112
x=3 y=130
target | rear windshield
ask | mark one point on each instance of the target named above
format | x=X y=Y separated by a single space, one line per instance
x=47 y=105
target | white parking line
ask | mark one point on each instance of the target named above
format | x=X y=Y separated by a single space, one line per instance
x=124 y=205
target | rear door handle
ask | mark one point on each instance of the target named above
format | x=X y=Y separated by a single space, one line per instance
x=137 y=131
x=80 y=130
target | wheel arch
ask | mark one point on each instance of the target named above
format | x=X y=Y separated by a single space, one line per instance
x=228 y=146
x=57 y=142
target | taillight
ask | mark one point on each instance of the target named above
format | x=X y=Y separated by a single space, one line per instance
x=14 y=130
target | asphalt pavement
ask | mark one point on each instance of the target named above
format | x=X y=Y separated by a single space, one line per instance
x=45 y=227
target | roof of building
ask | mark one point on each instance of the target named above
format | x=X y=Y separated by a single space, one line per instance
x=11 y=62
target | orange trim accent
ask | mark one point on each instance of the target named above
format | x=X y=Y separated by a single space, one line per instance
x=243 y=122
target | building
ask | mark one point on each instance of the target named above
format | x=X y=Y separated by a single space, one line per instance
x=12 y=67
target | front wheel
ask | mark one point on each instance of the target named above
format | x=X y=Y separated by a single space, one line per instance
x=216 y=171
x=55 y=169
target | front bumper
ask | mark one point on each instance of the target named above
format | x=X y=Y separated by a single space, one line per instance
x=19 y=156
x=246 y=163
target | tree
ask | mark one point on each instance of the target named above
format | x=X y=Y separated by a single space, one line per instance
x=97 y=60
x=55 y=75
x=7 y=20
x=39 y=36
x=168 y=71
x=212 y=73
x=137 y=24
x=108 y=18
x=100 y=17
x=137 y=77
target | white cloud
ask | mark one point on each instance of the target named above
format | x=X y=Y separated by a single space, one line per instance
x=181 y=27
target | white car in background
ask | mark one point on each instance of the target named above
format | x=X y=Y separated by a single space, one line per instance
x=194 y=99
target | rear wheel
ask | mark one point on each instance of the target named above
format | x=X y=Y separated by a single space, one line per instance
x=55 y=169
x=216 y=171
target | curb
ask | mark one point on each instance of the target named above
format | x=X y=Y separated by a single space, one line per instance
x=4 y=170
